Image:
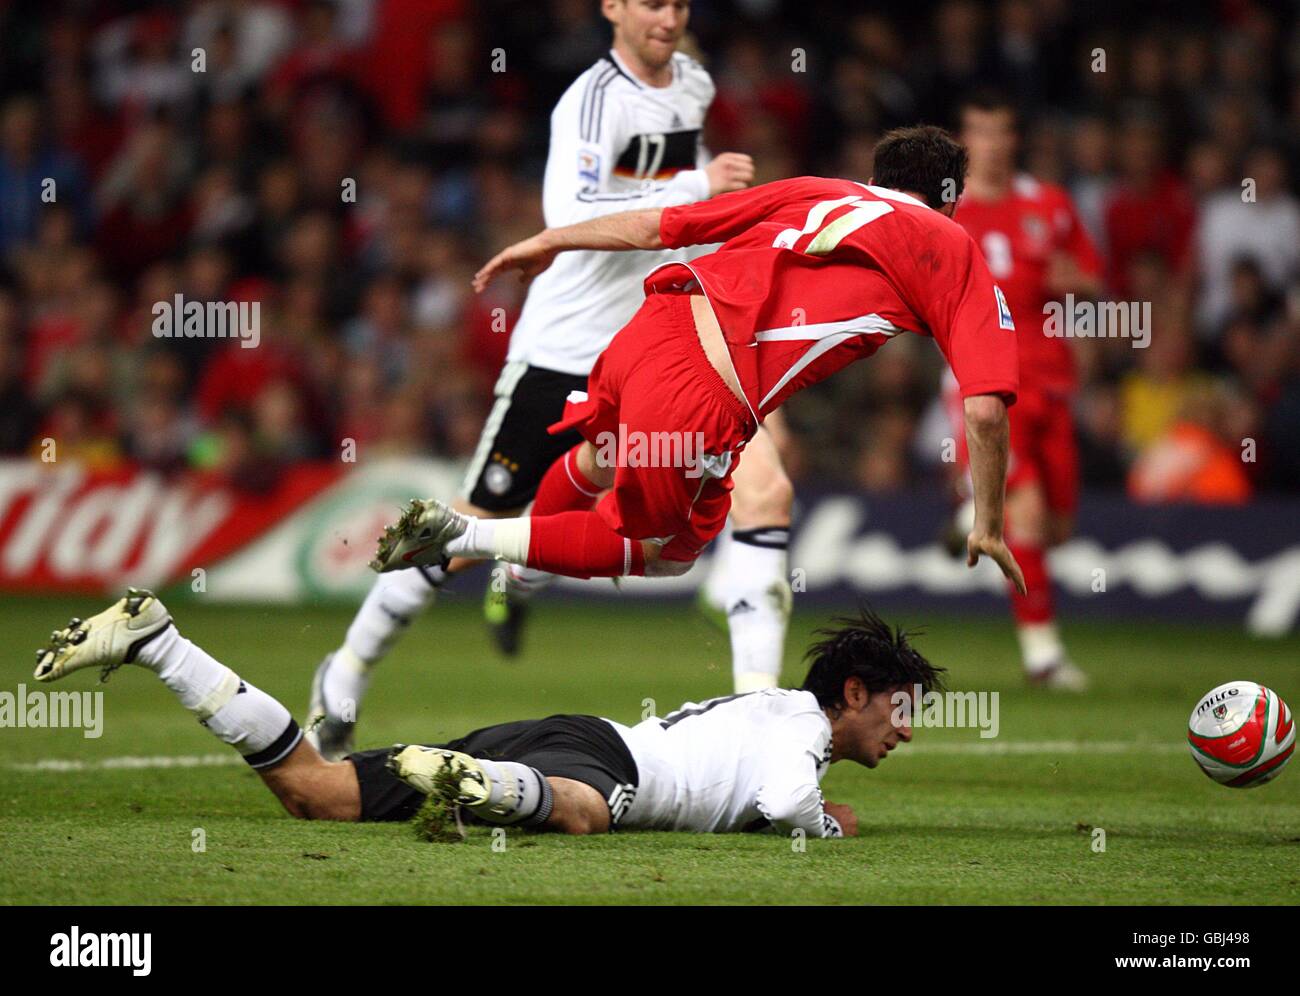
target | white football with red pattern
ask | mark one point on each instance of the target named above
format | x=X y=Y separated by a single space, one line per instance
x=1241 y=734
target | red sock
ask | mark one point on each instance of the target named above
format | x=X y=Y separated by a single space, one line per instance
x=581 y=545
x=564 y=488
x=1037 y=606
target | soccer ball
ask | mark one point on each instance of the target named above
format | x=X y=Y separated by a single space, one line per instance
x=1241 y=734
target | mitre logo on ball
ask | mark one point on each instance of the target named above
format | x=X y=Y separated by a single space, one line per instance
x=1241 y=734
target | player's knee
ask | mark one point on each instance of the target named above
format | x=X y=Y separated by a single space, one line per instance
x=579 y=809
x=296 y=802
x=303 y=801
x=315 y=807
x=591 y=467
x=576 y=824
x=1027 y=517
x=310 y=788
x=660 y=568
x=763 y=502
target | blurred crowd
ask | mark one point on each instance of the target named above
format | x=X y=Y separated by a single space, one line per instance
x=349 y=163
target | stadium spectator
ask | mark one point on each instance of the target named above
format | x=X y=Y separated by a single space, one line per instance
x=229 y=182
x=1193 y=460
x=1257 y=220
x=1149 y=209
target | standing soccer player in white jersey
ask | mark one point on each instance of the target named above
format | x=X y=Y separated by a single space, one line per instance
x=744 y=762
x=626 y=134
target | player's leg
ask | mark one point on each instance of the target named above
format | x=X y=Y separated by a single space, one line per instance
x=496 y=485
x=562 y=487
x=1033 y=612
x=665 y=392
x=750 y=577
x=504 y=793
x=137 y=629
x=1060 y=485
x=569 y=774
x=578 y=544
x=392 y=604
x=1043 y=450
x=513 y=468
x=312 y=788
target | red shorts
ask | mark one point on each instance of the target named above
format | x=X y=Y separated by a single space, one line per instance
x=657 y=411
x=1043 y=449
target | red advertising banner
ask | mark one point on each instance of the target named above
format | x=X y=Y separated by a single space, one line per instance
x=64 y=528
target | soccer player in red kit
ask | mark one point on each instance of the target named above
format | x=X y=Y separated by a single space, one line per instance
x=1038 y=251
x=813 y=274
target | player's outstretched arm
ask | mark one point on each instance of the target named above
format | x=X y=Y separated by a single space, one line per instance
x=613 y=232
x=988 y=434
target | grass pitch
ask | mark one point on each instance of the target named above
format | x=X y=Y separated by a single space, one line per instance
x=950 y=818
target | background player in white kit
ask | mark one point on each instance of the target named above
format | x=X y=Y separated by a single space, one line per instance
x=626 y=134
x=743 y=762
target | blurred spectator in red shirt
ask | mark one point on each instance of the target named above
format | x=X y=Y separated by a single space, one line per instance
x=1149 y=209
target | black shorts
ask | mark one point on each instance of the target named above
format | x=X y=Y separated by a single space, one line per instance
x=515 y=449
x=583 y=748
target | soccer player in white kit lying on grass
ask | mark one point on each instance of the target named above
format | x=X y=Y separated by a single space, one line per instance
x=742 y=762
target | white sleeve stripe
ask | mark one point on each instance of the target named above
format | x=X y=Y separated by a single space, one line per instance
x=599 y=115
x=595 y=73
x=588 y=121
x=603 y=198
x=586 y=100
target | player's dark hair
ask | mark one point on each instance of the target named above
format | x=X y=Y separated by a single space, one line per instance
x=924 y=159
x=868 y=648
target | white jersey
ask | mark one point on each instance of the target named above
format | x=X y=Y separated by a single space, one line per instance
x=617 y=144
x=723 y=764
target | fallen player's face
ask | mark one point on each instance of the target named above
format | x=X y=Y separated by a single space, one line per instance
x=881 y=726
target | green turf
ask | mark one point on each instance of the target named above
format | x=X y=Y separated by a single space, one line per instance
x=947 y=824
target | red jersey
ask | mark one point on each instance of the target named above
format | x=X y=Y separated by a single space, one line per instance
x=814 y=274
x=1018 y=235
x=1159 y=220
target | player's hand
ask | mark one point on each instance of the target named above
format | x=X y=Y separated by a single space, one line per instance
x=729 y=171
x=530 y=257
x=982 y=545
x=844 y=816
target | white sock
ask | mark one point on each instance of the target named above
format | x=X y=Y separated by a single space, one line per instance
x=756 y=596
x=239 y=713
x=493 y=539
x=394 y=599
x=520 y=794
x=1040 y=646
x=345 y=684
x=716 y=578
